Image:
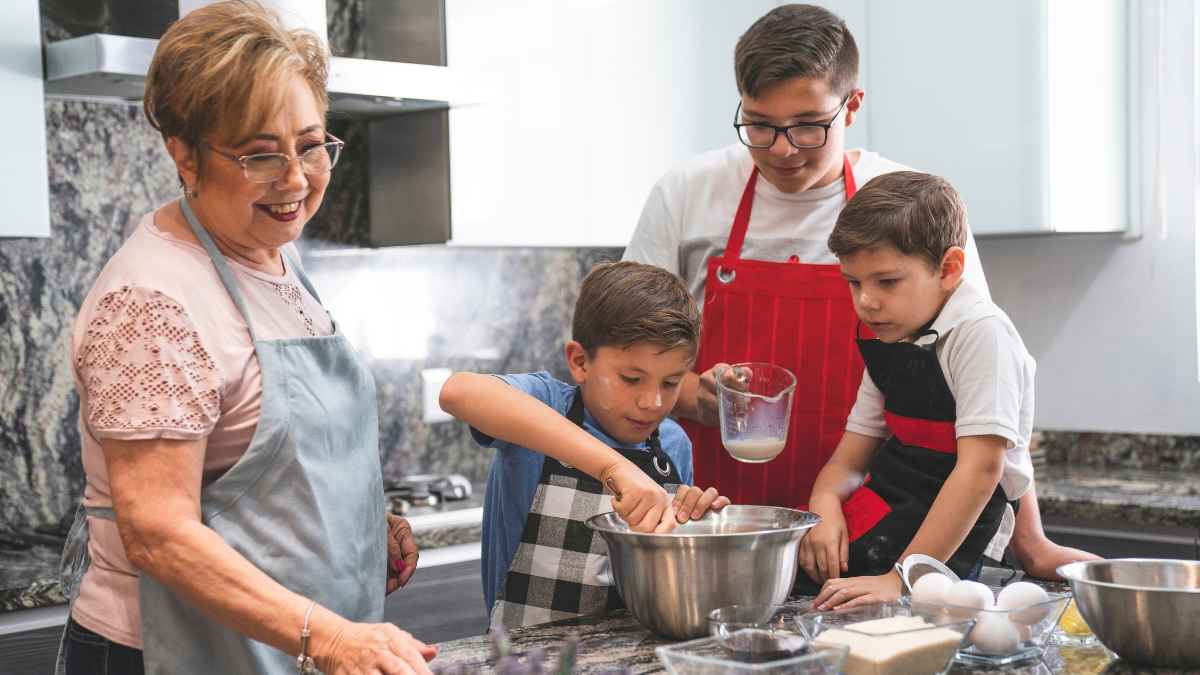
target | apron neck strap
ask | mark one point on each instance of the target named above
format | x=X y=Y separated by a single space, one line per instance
x=218 y=260
x=741 y=219
x=848 y=177
x=299 y=271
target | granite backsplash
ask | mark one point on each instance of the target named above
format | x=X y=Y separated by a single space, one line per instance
x=1129 y=451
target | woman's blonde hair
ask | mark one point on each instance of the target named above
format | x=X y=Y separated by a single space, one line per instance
x=223 y=70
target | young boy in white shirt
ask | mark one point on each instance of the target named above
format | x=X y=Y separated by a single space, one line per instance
x=938 y=440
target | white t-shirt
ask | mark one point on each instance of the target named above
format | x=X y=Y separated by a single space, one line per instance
x=689 y=213
x=990 y=374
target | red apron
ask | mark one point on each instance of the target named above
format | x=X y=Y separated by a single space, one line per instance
x=796 y=315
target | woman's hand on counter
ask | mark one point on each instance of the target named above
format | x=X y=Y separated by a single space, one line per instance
x=372 y=648
x=402 y=552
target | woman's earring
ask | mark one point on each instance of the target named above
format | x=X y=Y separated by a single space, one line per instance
x=190 y=191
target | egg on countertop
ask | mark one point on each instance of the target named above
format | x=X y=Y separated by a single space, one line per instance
x=1019 y=596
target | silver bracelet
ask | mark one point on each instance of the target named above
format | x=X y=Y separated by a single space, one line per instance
x=304 y=662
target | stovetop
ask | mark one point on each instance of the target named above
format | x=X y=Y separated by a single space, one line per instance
x=427 y=490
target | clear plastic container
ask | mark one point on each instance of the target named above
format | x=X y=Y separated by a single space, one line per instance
x=891 y=637
x=709 y=656
x=1004 y=636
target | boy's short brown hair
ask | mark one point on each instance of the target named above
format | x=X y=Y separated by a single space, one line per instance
x=918 y=213
x=794 y=41
x=624 y=303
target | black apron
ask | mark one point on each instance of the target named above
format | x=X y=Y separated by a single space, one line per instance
x=912 y=465
x=561 y=568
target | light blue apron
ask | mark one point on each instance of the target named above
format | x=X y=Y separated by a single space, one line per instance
x=304 y=504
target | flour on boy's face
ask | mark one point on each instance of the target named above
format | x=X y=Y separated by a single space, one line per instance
x=630 y=390
x=894 y=294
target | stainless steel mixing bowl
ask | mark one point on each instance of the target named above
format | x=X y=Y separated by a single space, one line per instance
x=741 y=555
x=1145 y=610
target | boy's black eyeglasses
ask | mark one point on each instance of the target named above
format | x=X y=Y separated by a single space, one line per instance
x=803 y=136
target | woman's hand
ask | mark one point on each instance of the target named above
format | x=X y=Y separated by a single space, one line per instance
x=640 y=501
x=373 y=649
x=825 y=550
x=691 y=503
x=402 y=552
x=855 y=591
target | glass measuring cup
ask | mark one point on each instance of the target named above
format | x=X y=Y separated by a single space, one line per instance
x=755 y=405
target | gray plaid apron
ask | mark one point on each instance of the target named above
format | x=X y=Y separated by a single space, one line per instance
x=561 y=568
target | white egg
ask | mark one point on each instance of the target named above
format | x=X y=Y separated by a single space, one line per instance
x=931 y=587
x=1020 y=595
x=971 y=594
x=994 y=634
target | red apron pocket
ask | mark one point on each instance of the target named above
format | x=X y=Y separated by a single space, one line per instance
x=863 y=511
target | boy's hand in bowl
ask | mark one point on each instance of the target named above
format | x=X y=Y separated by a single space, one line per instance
x=638 y=500
x=691 y=503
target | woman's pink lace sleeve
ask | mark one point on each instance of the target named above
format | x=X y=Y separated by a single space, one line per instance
x=146 y=373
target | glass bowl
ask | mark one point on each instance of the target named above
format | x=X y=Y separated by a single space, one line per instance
x=890 y=637
x=769 y=631
x=1004 y=636
x=708 y=656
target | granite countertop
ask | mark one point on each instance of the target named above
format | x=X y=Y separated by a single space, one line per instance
x=1133 y=496
x=29 y=577
x=614 y=641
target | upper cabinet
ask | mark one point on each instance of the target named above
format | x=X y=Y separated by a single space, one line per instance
x=585 y=104
x=24 y=190
x=1023 y=105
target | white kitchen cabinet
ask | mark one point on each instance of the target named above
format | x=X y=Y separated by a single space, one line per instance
x=24 y=190
x=1023 y=105
x=584 y=104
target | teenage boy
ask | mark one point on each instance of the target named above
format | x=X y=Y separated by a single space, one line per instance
x=563 y=450
x=746 y=227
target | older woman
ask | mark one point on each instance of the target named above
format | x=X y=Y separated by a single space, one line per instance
x=234 y=497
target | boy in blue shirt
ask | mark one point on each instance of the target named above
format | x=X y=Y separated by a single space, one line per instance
x=566 y=452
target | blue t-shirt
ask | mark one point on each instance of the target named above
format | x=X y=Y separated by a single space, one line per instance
x=515 y=470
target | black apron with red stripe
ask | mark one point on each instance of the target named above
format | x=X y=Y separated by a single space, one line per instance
x=911 y=466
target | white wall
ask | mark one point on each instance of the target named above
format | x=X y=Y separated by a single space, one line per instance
x=1112 y=321
x=585 y=104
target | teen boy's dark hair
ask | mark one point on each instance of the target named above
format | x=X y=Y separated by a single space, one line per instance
x=918 y=213
x=794 y=41
x=624 y=303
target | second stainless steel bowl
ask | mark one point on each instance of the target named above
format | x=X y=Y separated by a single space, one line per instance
x=741 y=555
x=1145 y=610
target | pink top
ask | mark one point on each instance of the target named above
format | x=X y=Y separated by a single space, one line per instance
x=160 y=351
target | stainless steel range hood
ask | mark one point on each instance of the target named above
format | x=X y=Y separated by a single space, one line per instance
x=113 y=68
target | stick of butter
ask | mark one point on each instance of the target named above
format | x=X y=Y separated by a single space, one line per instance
x=893 y=645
